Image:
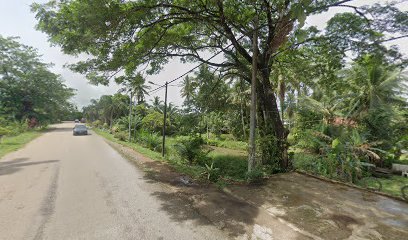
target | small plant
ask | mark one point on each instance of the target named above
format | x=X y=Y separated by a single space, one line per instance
x=122 y=136
x=211 y=172
x=3 y=132
x=97 y=123
x=191 y=149
x=105 y=126
x=151 y=141
x=255 y=176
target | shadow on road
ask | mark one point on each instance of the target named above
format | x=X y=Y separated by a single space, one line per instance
x=15 y=165
x=202 y=203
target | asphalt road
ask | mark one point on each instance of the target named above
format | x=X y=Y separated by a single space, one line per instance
x=65 y=187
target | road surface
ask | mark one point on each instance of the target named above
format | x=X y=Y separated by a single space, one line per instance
x=65 y=187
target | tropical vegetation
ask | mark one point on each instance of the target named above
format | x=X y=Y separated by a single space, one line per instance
x=327 y=100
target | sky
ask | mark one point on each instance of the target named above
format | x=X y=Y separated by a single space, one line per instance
x=16 y=19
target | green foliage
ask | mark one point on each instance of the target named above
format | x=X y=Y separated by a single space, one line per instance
x=297 y=61
x=122 y=136
x=191 y=149
x=14 y=142
x=150 y=140
x=211 y=172
x=230 y=166
x=153 y=122
x=391 y=185
x=268 y=152
x=12 y=127
x=255 y=176
x=28 y=89
x=97 y=123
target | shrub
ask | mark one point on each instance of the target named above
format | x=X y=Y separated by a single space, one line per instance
x=151 y=141
x=213 y=142
x=97 y=123
x=212 y=173
x=153 y=122
x=233 y=167
x=122 y=136
x=191 y=149
x=256 y=176
x=267 y=146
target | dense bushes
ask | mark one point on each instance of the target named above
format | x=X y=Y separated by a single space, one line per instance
x=191 y=150
x=151 y=141
x=123 y=136
x=8 y=127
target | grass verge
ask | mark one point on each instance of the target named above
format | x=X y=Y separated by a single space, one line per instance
x=232 y=167
x=391 y=185
x=311 y=164
x=192 y=171
x=145 y=151
x=13 y=143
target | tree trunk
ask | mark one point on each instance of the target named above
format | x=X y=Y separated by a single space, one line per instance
x=271 y=126
x=243 y=123
x=208 y=132
x=111 y=119
x=242 y=108
x=130 y=116
x=252 y=162
x=134 y=127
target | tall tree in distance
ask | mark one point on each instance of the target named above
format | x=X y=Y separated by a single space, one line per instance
x=28 y=89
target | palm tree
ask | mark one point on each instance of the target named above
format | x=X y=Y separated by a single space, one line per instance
x=171 y=111
x=136 y=87
x=157 y=104
x=373 y=86
x=238 y=97
x=187 y=92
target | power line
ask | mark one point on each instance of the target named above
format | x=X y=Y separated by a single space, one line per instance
x=194 y=68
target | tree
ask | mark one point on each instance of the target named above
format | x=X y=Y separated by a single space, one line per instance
x=27 y=88
x=128 y=34
x=373 y=85
x=377 y=98
x=157 y=104
x=187 y=92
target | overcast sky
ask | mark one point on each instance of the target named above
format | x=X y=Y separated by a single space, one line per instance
x=16 y=19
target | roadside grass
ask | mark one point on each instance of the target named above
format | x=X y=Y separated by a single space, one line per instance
x=403 y=159
x=145 y=151
x=226 y=143
x=179 y=166
x=310 y=163
x=12 y=143
x=232 y=166
x=391 y=185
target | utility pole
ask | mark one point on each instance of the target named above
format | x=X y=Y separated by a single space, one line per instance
x=164 y=120
x=252 y=123
x=130 y=115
